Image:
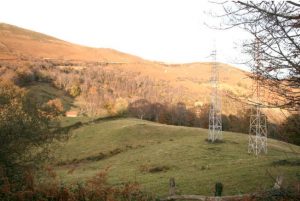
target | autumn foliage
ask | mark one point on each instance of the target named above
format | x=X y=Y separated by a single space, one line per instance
x=95 y=189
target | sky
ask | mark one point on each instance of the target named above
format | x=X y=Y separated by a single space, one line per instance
x=172 y=31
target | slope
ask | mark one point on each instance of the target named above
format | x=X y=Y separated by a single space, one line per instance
x=43 y=92
x=150 y=153
x=16 y=43
x=191 y=81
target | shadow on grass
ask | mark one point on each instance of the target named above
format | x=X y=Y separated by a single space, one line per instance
x=79 y=124
x=217 y=141
x=287 y=162
x=146 y=168
x=98 y=157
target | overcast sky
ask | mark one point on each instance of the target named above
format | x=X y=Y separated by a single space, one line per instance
x=163 y=30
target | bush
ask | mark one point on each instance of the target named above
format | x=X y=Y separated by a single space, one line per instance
x=95 y=189
x=75 y=90
x=121 y=106
x=290 y=129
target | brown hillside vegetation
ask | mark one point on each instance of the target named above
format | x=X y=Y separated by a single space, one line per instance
x=16 y=42
x=173 y=83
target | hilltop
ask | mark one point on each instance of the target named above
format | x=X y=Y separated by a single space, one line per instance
x=16 y=42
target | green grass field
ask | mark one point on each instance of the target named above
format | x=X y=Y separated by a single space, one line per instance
x=151 y=153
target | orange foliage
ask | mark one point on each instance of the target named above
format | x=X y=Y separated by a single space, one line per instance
x=57 y=104
x=96 y=189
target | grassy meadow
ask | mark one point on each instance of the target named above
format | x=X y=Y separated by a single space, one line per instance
x=151 y=153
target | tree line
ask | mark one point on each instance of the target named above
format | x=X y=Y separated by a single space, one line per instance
x=114 y=92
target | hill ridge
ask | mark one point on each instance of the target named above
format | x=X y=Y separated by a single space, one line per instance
x=21 y=40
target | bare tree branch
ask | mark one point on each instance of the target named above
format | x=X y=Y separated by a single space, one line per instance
x=275 y=26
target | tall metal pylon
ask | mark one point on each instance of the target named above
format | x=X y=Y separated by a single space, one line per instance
x=215 y=120
x=258 y=121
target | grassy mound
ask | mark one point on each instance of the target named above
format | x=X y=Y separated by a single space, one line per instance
x=151 y=153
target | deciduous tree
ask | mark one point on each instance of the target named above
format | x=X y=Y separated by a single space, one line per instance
x=23 y=127
x=275 y=26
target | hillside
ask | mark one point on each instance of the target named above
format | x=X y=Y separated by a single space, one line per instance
x=100 y=82
x=151 y=153
x=16 y=42
x=187 y=83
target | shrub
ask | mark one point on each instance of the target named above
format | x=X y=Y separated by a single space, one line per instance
x=95 y=189
x=121 y=106
x=75 y=90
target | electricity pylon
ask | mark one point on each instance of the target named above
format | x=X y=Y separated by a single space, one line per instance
x=258 y=121
x=215 y=120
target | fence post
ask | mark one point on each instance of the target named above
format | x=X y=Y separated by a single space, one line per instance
x=172 y=186
x=278 y=183
x=219 y=189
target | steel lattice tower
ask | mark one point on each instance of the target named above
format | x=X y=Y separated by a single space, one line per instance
x=215 y=120
x=258 y=121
